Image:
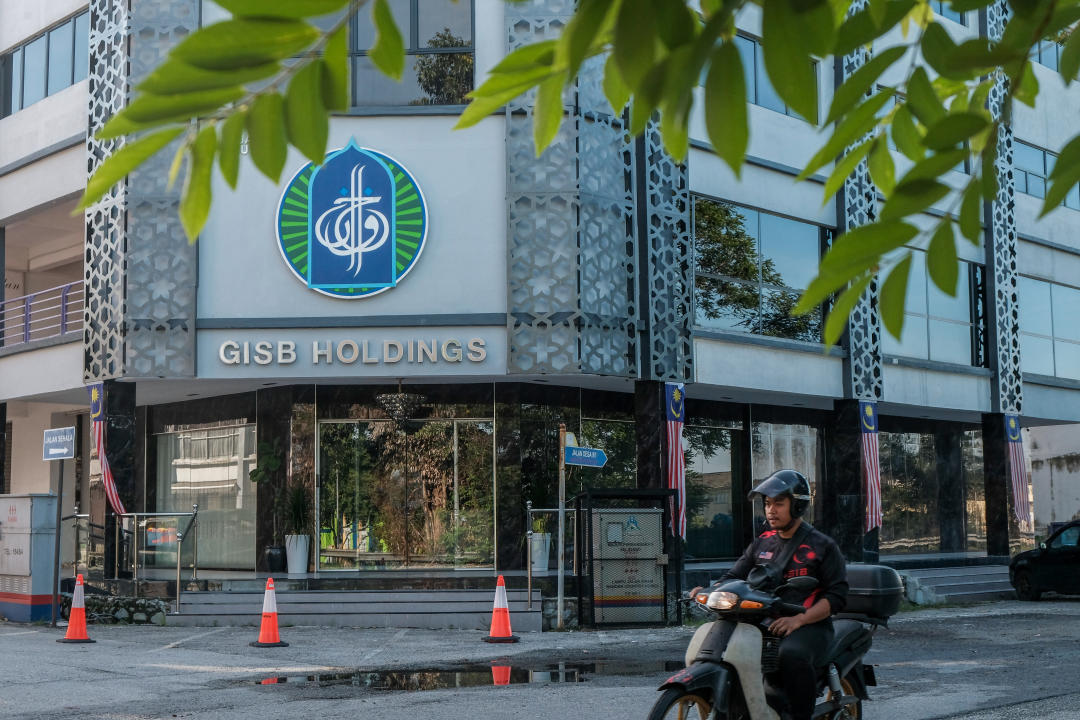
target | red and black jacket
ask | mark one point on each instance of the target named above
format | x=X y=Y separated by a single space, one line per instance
x=817 y=556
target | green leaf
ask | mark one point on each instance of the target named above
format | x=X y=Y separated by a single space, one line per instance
x=861 y=29
x=498 y=90
x=836 y=322
x=725 y=106
x=881 y=166
x=674 y=24
x=195 y=198
x=123 y=161
x=615 y=90
x=388 y=53
x=1070 y=58
x=941 y=259
x=307 y=126
x=878 y=10
x=935 y=166
x=862 y=247
x=177 y=162
x=244 y=43
x=844 y=167
x=1028 y=87
x=937 y=48
x=335 y=72
x=174 y=77
x=971 y=214
x=910 y=197
x=922 y=99
x=582 y=30
x=266 y=135
x=1065 y=181
x=891 y=300
x=1066 y=159
x=232 y=134
x=147 y=111
x=856 y=86
x=954 y=129
x=527 y=57
x=548 y=112
x=906 y=134
x=646 y=98
x=787 y=58
x=635 y=41
x=293 y=9
x=857 y=123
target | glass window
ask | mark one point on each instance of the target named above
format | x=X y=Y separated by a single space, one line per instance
x=710 y=530
x=1029 y=159
x=751 y=267
x=1067 y=359
x=1036 y=354
x=766 y=95
x=82 y=47
x=912 y=342
x=1047 y=53
x=34 y=71
x=950 y=307
x=1066 y=306
x=16 y=80
x=950 y=342
x=759 y=91
x=945 y=10
x=439 y=64
x=1034 y=306
x=61 y=47
x=746 y=53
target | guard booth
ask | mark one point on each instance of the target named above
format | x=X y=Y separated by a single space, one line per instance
x=630 y=563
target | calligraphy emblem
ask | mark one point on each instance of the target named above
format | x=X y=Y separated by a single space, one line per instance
x=354 y=226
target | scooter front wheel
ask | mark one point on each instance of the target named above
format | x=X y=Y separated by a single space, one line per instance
x=679 y=704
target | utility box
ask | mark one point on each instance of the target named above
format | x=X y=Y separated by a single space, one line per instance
x=27 y=535
x=628 y=565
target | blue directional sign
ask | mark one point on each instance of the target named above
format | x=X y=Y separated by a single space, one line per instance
x=59 y=444
x=586 y=457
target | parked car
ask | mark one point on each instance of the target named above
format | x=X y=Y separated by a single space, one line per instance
x=1053 y=566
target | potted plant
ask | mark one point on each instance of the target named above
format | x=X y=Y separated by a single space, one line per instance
x=297 y=527
x=540 y=544
x=270 y=460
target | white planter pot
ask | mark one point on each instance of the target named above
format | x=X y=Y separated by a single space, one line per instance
x=541 y=550
x=296 y=553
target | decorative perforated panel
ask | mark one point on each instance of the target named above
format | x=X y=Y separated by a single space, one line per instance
x=103 y=271
x=140 y=269
x=857 y=207
x=1003 y=317
x=570 y=225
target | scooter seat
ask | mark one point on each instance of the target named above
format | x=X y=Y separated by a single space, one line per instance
x=845 y=634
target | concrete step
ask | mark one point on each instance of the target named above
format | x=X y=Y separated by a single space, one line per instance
x=424 y=609
x=946 y=574
x=969 y=583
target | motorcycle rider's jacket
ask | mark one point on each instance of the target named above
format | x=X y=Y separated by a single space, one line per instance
x=818 y=556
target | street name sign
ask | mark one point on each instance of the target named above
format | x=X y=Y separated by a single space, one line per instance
x=58 y=444
x=585 y=457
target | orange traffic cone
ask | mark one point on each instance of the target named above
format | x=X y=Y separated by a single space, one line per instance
x=76 y=632
x=268 y=632
x=500 y=674
x=500 y=618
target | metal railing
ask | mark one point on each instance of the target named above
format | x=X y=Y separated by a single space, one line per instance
x=192 y=528
x=530 y=512
x=42 y=315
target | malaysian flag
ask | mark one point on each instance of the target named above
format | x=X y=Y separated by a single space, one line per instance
x=676 y=463
x=97 y=430
x=868 y=422
x=1018 y=471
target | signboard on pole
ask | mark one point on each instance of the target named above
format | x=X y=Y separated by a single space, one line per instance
x=585 y=457
x=58 y=444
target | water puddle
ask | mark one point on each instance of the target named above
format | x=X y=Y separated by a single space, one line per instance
x=471 y=676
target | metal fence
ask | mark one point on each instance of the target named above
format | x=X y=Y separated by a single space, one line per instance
x=42 y=315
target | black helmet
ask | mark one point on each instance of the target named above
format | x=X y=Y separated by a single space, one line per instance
x=785 y=482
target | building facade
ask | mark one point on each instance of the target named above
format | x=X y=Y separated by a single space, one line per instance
x=398 y=397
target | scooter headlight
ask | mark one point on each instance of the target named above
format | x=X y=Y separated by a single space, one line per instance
x=720 y=600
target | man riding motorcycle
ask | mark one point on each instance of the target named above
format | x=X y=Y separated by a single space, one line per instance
x=807 y=636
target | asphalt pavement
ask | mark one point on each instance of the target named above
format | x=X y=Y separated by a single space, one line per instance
x=996 y=660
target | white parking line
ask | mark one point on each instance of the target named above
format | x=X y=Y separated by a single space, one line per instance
x=24 y=632
x=397 y=636
x=184 y=640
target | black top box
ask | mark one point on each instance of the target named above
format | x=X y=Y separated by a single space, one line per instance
x=873 y=590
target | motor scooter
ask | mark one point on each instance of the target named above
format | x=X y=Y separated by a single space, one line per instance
x=731 y=660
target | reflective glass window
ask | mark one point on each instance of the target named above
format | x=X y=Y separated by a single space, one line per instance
x=61 y=47
x=950 y=342
x=912 y=342
x=16 y=80
x=1066 y=307
x=746 y=53
x=364 y=37
x=791 y=249
x=1028 y=158
x=1036 y=354
x=34 y=71
x=945 y=10
x=1067 y=359
x=442 y=21
x=766 y=95
x=1035 y=314
x=82 y=47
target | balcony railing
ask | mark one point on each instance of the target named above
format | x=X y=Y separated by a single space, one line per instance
x=41 y=315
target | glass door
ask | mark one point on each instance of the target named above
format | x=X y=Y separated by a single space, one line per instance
x=417 y=495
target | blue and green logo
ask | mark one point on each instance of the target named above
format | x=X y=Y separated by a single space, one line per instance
x=353 y=226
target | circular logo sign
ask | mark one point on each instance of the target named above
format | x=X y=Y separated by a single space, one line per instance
x=354 y=226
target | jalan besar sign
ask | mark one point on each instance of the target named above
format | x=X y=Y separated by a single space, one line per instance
x=349 y=352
